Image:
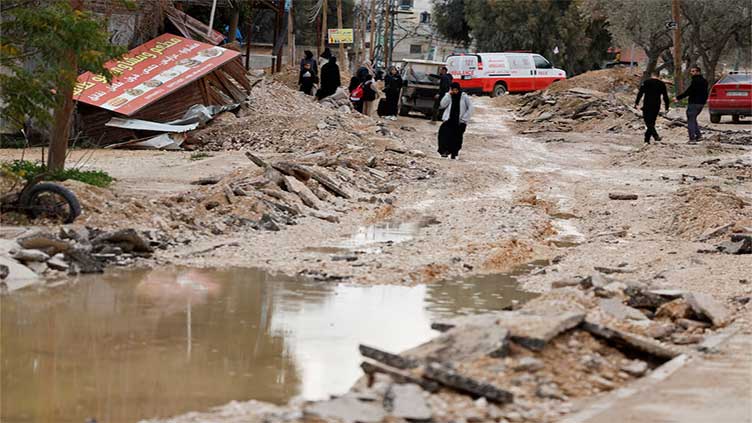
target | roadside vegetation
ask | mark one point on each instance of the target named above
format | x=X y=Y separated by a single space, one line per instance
x=29 y=170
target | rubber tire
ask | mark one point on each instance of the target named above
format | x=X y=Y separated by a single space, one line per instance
x=499 y=90
x=736 y=118
x=715 y=118
x=29 y=197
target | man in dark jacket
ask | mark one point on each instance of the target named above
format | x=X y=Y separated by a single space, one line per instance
x=330 y=79
x=445 y=82
x=698 y=96
x=653 y=89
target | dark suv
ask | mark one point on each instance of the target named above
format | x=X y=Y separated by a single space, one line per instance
x=421 y=85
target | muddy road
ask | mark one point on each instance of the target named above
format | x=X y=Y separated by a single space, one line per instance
x=512 y=199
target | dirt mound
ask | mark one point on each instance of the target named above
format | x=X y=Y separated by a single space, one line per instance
x=697 y=210
x=608 y=80
x=597 y=100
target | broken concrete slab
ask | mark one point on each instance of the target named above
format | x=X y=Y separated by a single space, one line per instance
x=346 y=408
x=57 y=263
x=616 y=309
x=636 y=368
x=44 y=241
x=465 y=343
x=19 y=276
x=712 y=309
x=638 y=342
x=641 y=298
x=460 y=383
x=26 y=255
x=531 y=330
x=563 y=283
x=407 y=401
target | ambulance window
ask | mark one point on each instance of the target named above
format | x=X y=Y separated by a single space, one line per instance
x=541 y=62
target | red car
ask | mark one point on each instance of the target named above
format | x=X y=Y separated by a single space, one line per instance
x=732 y=95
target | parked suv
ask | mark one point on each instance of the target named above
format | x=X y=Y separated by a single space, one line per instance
x=421 y=85
x=732 y=95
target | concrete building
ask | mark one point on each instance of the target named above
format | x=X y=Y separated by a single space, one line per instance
x=414 y=34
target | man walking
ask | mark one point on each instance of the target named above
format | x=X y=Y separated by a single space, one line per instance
x=445 y=82
x=653 y=89
x=698 y=96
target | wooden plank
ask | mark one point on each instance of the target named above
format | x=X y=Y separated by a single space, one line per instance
x=399 y=376
x=230 y=87
x=464 y=384
x=387 y=358
x=236 y=70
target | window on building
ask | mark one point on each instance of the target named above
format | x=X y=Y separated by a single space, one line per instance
x=406 y=4
x=416 y=48
x=425 y=17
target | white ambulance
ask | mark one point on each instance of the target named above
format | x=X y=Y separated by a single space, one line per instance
x=499 y=73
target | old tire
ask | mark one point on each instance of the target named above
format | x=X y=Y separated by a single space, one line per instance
x=736 y=118
x=499 y=90
x=51 y=200
x=715 y=118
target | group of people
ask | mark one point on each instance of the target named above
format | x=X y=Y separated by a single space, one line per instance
x=456 y=105
x=654 y=90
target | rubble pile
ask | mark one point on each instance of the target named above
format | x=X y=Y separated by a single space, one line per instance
x=696 y=212
x=588 y=336
x=72 y=251
x=597 y=100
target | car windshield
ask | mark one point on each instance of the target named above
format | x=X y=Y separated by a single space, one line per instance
x=739 y=78
x=422 y=73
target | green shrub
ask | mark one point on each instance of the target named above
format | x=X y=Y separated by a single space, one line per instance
x=200 y=156
x=29 y=170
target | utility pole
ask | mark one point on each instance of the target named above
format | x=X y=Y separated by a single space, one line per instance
x=339 y=26
x=387 y=18
x=678 y=82
x=324 y=28
x=363 y=24
x=373 y=30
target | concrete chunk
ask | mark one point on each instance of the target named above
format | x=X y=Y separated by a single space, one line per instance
x=346 y=408
x=618 y=310
x=706 y=305
x=407 y=401
x=638 y=342
x=25 y=255
x=19 y=276
x=465 y=343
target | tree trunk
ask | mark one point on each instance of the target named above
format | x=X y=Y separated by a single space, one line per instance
x=61 y=129
x=62 y=113
x=231 y=36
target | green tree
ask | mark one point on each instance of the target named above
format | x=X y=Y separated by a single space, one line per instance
x=539 y=26
x=43 y=48
x=449 y=20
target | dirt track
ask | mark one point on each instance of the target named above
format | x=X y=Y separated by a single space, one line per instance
x=508 y=200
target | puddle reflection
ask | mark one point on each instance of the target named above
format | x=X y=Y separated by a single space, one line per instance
x=142 y=344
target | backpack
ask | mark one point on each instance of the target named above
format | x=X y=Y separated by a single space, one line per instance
x=369 y=93
x=357 y=93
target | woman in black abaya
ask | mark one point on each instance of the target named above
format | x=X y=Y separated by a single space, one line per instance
x=457 y=111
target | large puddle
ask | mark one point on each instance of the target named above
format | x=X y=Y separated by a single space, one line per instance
x=140 y=344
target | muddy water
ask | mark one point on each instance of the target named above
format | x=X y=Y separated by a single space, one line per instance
x=142 y=344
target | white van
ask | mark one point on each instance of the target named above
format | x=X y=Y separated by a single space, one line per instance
x=499 y=73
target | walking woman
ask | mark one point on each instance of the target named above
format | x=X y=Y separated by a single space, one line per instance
x=392 y=88
x=457 y=111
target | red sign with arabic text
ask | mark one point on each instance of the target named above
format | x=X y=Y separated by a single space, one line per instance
x=150 y=72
